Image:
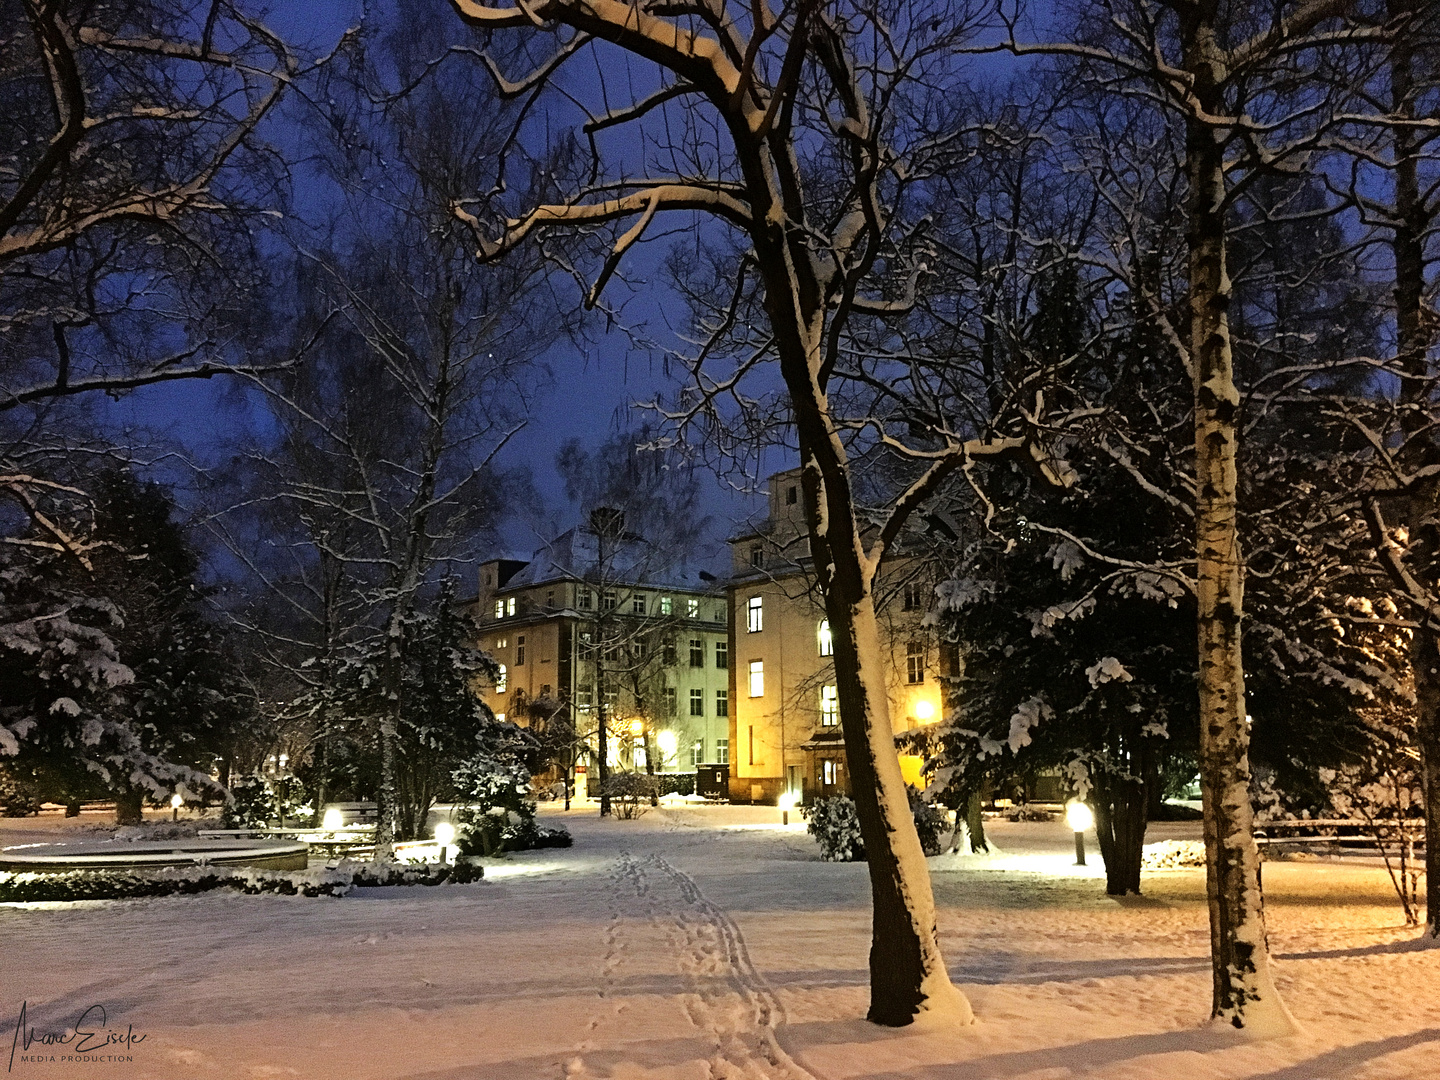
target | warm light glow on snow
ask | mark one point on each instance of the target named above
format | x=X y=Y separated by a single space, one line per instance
x=1079 y=816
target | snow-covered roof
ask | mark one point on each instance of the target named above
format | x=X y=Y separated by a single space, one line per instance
x=575 y=555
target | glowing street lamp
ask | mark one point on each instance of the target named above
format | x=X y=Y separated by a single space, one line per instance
x=786 y=802
x=333 y=820
x=444 y=836
x=1080 y=818
x=924 y=711
x=176 y=801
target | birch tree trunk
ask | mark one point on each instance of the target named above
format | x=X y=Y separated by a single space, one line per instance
x=1244 y=992
x=1413 y=222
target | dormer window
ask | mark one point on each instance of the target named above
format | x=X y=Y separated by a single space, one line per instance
x=757 y=556
x=792 y=495
x=510 y=606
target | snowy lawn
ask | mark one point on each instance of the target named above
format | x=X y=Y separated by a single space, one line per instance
x=712 y=943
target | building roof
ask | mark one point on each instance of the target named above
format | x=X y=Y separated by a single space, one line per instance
x=575 y=555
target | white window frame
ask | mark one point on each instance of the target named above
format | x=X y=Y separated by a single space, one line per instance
x=755 y=614
x=757 y=678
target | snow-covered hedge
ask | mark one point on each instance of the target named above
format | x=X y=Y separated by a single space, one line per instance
x=1173 y=855
x=185 y=880
x=836 y=827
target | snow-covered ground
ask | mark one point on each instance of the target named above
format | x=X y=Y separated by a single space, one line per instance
x=711 y=943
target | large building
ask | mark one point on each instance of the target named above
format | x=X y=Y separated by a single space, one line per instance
x=609 y=624
x=785 y=723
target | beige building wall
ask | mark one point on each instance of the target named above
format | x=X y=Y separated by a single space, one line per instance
x=780 y=741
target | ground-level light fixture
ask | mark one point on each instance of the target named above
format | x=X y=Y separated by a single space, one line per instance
x=176 y=801
x=786 y=802
x=444 y=836
x=668 y=742
x=333 y=820
x=1080 y=818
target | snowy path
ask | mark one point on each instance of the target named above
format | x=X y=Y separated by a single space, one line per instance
x=712 y=945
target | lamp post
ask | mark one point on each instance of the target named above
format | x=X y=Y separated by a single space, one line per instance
x=333 y=820
x=444 y=836
x=176 y=801
x=1080 y=819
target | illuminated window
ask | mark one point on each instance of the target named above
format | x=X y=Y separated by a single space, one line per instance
x=692 y=609
x=722 y=702
x=666 y=605
x=499 y=609
x=829 y=774
x=915 y=662
x=722 y=655
x=827 y=642
x=500 y=716
x=637 y=603
x=757 y=678
x=755 y=614
x=510 y=606
x=697 y=702
x=501 y=680
x=829 y=706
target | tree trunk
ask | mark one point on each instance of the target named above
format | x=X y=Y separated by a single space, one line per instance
x=1413 y=221
x=1244 y=992
x=129 y=807
x=603 y=754
x=1120 y=804
x=385 y=796
x=1427 y=702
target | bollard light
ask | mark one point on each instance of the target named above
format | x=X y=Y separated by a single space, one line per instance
x=176 y=801
x=786 y=802
x=333 y=820
x=444 y=836
x=1080 y=818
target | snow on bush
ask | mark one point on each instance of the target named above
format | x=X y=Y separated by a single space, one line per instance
x=836 y=827
x=1173 y=855
x=499 y=811
x=186 y=880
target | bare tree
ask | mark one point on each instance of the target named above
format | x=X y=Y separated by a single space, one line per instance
x=805 y=131
x=1239 y=82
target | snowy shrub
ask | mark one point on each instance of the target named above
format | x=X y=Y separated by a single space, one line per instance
x=836 y=827
x=631 y=793
x=16 y=799
x=499 y=814
x=188 y=880
x=1173 y=855
x=255 y=801
x=931 y=822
